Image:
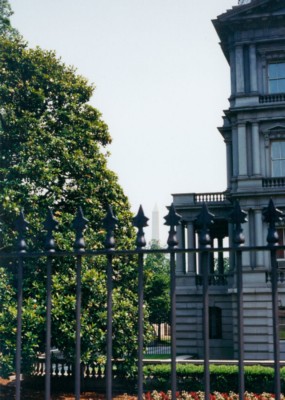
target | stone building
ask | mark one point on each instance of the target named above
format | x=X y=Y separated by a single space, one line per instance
x=252 y=36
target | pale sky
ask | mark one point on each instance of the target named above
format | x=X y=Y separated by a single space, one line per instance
x=162 y=83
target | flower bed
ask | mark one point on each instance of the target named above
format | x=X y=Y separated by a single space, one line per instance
x=215 y=396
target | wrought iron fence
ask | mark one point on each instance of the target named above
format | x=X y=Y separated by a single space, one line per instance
x=162 y=341
x=205 y=250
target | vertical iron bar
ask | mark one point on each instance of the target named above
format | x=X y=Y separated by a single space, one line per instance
x=50 y=225
x=203 y=221
x=78 y=328
x=140 y=221
x=240 y=323
x=48 y=331
x=173 y=325
x=238 y=217
x=172 y=220
x=110 y=222
x=79 y=224
x=19 y=329
x=275 y=312
x=205 y=259
x=140 y=327
x=272 y=215
x=21 y=226
x=109 y=327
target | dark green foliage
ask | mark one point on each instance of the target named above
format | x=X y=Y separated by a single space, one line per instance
x=5 y=25
x=224 y=378
x=157 y=286
x=53 y=155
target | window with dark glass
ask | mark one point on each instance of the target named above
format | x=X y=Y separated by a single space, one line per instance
x=282 y=323
x=276 y=77
x=215 y=322
x=278 y=158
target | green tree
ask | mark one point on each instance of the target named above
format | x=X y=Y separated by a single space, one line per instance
x=157 y=286
x=53 y=155
x=6 y=12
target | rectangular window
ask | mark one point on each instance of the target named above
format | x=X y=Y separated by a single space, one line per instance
x=278 y=158
x=282 y=323
x=276 y=77
x=215 y=323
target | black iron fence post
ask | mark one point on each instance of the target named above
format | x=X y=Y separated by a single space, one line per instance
x=110 y=222
x=271 y=216
x=140 y=221
x=204 y=221
x=50 y=225
x=79 y=224
x=21 y=226
x=172 y=220
x=238 y=217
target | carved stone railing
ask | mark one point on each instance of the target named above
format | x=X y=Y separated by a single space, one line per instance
x=272 y=98
x=210 y=197
x=273 y=182
x=280 y=276
x=61 y=368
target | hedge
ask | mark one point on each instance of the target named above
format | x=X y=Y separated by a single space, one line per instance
x=224 y=378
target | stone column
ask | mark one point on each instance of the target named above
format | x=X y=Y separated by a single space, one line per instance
x=180 y=264
x=242 y=150
x=267 y=155
x=221 y=268
x=228 y=143
x=231 y=255
x=191 y=245
x=239 y=70
x=246 y=230
x=212 y=260
x=253 y=68
x=259 y=239
x=233 y=71
x=235 y=150
x=255 y=149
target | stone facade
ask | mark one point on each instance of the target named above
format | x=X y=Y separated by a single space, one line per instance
x=252 y=37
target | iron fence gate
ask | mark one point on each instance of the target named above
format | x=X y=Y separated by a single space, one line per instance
x=204 y=220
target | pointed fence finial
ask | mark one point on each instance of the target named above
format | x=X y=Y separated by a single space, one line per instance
x=172 y=219
x=79 y=225
x=21 y=227
x=140 y=222
x=110 y=222
x=204 y=220
x=238 y=217
x=50 y=225
x=272 y=215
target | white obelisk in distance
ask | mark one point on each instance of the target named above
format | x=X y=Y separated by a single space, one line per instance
x=155 y=224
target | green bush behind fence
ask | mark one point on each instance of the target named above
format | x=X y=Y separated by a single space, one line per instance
x=224 y=378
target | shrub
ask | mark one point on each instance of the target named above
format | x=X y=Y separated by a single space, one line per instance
x=224 y=378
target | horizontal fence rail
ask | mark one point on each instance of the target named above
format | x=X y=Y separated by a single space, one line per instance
x=50 y=367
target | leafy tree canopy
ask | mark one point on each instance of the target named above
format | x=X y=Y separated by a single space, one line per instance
x=53 y=154
x=52 y=142
x=5 y=25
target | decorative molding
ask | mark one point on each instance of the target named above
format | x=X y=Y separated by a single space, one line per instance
x=277 y=132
